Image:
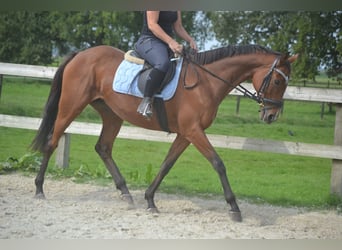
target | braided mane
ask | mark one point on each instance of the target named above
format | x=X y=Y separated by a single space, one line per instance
x=213 y=55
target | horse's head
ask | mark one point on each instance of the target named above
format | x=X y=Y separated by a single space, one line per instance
x=270 y=85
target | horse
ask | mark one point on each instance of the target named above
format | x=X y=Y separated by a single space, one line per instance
x=86 y=76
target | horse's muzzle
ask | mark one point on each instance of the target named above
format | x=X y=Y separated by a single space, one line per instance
x=269 y=115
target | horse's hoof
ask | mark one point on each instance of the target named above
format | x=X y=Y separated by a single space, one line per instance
x=128 y=198
x=235 y=216
x=153 y=210
x=40 y=196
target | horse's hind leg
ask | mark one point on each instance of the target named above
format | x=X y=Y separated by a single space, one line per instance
x=39 y=181
x=69 y=108
x=177 y=148
x=110 y=129
x=61 y=124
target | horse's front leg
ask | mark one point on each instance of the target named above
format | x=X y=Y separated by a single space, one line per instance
x=177 y=148
x=219 y=167
x=201 y=142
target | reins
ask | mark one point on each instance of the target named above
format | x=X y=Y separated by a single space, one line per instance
x=257 y=96
x=239 y=87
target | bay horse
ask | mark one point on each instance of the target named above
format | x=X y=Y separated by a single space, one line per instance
x=86 y=77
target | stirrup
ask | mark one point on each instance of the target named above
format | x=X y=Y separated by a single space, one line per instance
x=145 y=107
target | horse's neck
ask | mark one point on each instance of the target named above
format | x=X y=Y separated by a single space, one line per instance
x=235 y=70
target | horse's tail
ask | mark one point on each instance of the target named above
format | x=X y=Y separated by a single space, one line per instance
x=51 y=108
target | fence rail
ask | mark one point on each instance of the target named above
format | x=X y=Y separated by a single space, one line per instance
x=333 y=152
x=221 y=141
x=292 y=93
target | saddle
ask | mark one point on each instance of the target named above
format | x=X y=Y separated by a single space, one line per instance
x=134 y=57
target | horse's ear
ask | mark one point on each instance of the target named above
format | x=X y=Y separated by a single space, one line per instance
x=293 y=58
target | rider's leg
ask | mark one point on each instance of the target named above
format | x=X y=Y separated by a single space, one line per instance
x=156 y=53
x=152 y=85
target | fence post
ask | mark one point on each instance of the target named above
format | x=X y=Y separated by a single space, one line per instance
x=237 y=111
x=336 y=171
x=63 y=151
x=1 y=78
x=322 y=110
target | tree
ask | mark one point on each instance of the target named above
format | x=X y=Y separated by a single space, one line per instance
x=80 y=30
x=32 y=37
x=316 y=36
x=25 y=37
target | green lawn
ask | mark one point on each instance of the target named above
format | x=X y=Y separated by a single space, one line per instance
x=261 y=177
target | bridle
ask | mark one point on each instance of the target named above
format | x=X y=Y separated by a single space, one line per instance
x=258 y=96
x=265 y=84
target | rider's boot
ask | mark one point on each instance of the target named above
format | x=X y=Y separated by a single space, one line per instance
x=153 y=82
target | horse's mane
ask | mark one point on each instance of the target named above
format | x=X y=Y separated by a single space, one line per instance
x=213 y=55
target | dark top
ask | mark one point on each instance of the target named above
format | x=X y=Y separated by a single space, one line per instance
x=166 y=21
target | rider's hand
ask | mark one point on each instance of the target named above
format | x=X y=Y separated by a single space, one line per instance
x=193 y=45
x=176 y=47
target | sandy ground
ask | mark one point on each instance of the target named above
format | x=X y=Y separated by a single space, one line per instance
x=85 y=211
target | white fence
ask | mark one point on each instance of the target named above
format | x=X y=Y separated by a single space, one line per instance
x=333 y=152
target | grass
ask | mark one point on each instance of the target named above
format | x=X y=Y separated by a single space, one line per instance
x=260 y=177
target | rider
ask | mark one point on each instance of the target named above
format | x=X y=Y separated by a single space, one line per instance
x=155 y=44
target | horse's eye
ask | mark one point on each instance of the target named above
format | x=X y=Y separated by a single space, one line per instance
x=276 y=82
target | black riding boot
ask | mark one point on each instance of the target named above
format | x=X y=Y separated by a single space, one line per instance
x=152 y=85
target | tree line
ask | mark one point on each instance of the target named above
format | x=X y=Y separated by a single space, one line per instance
x=39 y=37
